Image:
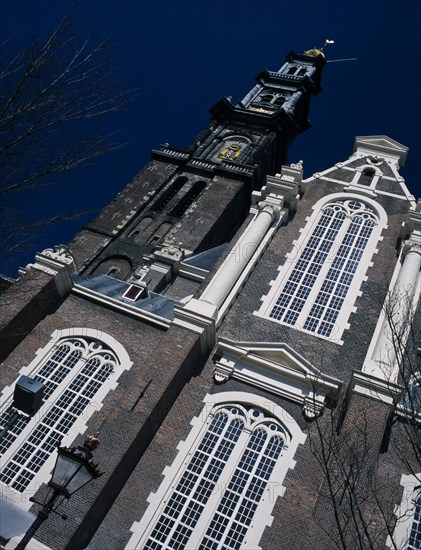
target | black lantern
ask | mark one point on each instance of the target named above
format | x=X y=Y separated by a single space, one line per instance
x=74 y=468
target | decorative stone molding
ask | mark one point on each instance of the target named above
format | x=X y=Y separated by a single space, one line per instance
x=374 y=387
x=169 y=253
x=282 y=188
x=312 y=408
x=220 y=377
x=412 y=245
x=382 y=146
x=272 y=209
x=277 y=369
x=223 y=370
x=59 y=263
x=199 y=317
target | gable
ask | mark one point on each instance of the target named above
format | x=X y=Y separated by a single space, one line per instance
x=383 y=145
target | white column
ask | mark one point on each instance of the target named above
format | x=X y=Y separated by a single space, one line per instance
x=227 y=275
x=398 y=311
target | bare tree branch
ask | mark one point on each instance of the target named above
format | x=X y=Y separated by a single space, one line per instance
x=49 y=94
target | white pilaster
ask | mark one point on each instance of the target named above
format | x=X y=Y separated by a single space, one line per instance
x=397 y=313
x=200 y=315
x=225 y=278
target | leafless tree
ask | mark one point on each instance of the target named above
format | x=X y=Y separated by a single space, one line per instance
x=361 y=474
x=49 y=94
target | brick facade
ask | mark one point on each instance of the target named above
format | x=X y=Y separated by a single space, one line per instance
x=185 y=351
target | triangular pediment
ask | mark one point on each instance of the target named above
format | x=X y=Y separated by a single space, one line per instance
x=280 y=355
x=382 y=145
x=275 y=367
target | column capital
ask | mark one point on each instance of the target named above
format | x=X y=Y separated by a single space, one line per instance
x=412 y=245
x=272 y=209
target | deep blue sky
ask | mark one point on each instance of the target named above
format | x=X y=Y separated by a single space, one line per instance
x=184 y=55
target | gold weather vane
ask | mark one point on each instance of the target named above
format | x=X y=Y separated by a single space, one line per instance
x=319 y=51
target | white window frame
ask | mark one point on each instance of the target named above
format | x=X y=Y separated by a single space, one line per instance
x=285 y=270
x=275 y=488
x=405 y=511
x=121 y=361
x=359 y=172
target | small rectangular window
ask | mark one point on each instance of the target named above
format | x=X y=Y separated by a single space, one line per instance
x=134 y=292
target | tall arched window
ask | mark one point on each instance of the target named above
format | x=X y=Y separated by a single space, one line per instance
x=169 y=194
x=313 y=288
x=224 y=483
x=188 y=199
x=74 y=371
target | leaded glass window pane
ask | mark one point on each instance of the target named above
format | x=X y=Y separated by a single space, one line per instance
x=234 y=459
x=414 y=542
x=317 y=286
x=79 y=367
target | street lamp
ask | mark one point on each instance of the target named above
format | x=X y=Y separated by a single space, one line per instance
x=74 y=468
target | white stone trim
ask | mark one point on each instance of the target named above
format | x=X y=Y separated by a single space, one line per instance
x=374 y=388
x=359 y=172
x=407 y=197
x=385 y=146
x=80 y=425
x=404 y=512
x=278 y=369
x=269 y=300
x=124 y=308
x=59 y=263
x=222 y=311
x=275 y=488
x=405 y=287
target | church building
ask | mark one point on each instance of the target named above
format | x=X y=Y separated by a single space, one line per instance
x=242 y=342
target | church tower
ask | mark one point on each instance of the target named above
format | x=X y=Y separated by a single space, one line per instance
x=209 y=324
x=190 y=201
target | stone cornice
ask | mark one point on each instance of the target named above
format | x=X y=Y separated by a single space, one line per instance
x=374 y=388
x=278 y=369
x=59 y=263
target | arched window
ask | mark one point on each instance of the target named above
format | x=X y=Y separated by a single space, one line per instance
x=169 y=194
x=311 y=290
x=75 y=371
x=367 y=176
x=121 y=267
x=160 y=233
x=225 y=482
x=188 y=199
x=275 y=99
x=266 y=98
x=296 y=70
x=137 y=233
